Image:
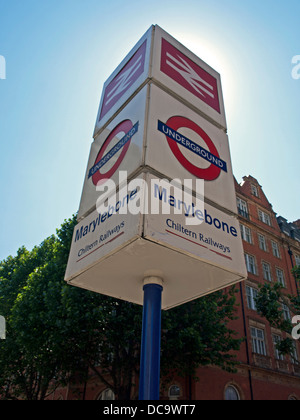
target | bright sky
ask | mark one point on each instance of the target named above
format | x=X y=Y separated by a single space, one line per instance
x=59 y=53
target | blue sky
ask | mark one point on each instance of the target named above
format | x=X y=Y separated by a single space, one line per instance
x=60 y=52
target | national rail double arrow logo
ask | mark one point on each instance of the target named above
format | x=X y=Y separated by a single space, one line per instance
x=124 y=80
x=189 y=75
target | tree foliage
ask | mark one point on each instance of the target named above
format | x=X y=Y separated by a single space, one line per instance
x=269 y=303
x=56 y=332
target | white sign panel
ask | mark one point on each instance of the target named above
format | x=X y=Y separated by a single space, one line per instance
x=101 y=233
x=117 y=148
x=128 y=77
x=182 y=144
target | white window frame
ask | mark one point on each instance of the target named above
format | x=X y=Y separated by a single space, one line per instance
x=242 y=204
x=275 y=249
x=246 y=233
x=276 y=339
x=174 y=392
x=254 y=190
x=267 y=274
x=250 y=264
x=280 y=276
x=264 y=217
x=106 y=395
x=262 y=242
x=251 y=294
x=227 y=392
x=286 y=312
x=258 y=341
x=294 y=354
x=242 y=207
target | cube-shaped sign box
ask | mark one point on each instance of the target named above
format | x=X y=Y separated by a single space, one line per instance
x=160 y=126
x=161 y=59
x=130 y=237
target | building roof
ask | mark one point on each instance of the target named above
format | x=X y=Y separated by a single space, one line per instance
x=290 y=229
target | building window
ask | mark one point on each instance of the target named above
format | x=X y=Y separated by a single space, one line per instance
x=267 y=271
x=107 y=395
x=264 y=217
x=286 y=312
x=246 y=233
x=251 y=294
x=262 y=242
x=254 y=190
x=250 y=264
x=275 y=249
x=294 y=354
x=231 y=393
x=258 y=341
x=174 y=392
x=280 y=277
x=242 y=208
x=277 y=340
x=297 y=259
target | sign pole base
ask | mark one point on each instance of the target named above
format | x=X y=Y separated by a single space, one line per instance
x=151 y=335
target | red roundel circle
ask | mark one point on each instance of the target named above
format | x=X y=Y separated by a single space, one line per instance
x=124 y=126
x=209 y=174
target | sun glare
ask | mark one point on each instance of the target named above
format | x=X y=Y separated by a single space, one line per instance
x=215 y=57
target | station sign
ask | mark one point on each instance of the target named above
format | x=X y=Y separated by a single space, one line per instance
x=161 y=120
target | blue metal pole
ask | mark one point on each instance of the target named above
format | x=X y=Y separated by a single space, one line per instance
x=150 y=345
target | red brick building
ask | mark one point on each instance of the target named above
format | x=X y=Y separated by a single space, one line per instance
x=272 y=248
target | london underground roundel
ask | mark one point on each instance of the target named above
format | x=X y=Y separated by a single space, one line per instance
x=97 y=172
x=209 y=154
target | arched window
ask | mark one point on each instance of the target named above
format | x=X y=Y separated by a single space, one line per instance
x=107 y=395
x=174 y=392
x=231 y=393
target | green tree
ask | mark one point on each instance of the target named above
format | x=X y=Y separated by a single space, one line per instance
x=269 y=303
x=56 y=332
x=197 y=334
x=14 y=274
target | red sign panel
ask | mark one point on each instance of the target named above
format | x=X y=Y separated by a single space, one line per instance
x=124 y=80
x=189 y=75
